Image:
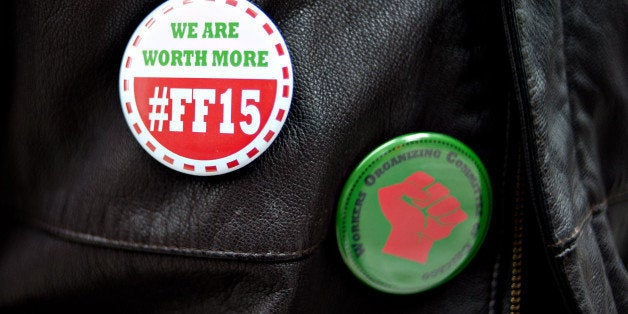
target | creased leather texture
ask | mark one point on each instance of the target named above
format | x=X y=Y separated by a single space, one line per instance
x=96 y=224
x=574 y=58
x=97 y=186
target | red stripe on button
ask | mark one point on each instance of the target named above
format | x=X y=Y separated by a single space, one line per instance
x=252 y=153
x=150 y=22
x=286 y=91
x=168 y=10
x=137 y=41
x=250 y=12
x=188 y=167
x=268 y=29
x=269 y=136
x=168 y=159
x=211 y=168
x=126 y=85
x=128 y=62
x=286 y=75
x=233 y=164
x=232 y=2
x=137 y=128
x=279 y=49
x=280 y=115
x=128 y=107
x=187 y=2
x=150 y=146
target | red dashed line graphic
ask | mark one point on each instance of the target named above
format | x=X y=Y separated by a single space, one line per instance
x=172 y=157
x=137 y=128
x=233 y=164
x=269 y=136
x=279 y=49
x=280 y=115
x=137 y=41
x=150 y=23
x=286 y=91
x=268 y=29
x=252 y=152
x=250 y=12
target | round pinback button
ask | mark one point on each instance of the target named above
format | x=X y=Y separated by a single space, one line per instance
x=413 y=213
x=206 y=86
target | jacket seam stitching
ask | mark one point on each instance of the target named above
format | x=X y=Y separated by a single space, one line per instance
x=577 y=231
x=191 y=251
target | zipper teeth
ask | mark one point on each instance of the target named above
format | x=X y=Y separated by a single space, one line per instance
x=517 y=248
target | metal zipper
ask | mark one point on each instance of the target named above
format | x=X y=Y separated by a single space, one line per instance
x=517 y=244
x=525 y=156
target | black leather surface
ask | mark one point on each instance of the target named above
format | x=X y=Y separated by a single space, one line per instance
x=101 y=226
x=95 y=183
x=574 y=61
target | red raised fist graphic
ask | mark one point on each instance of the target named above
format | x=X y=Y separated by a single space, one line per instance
x=420 y=212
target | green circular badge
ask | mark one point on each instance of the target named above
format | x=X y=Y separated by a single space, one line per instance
x=414 y=213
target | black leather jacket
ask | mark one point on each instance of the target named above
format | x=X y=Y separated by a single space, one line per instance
x=538 y=89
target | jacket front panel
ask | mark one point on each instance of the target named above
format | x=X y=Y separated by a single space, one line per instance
x=98 y=221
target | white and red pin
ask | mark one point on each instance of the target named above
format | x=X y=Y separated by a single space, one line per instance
x=206 y=85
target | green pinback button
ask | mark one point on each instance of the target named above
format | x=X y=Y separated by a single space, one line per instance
x=414 y=213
